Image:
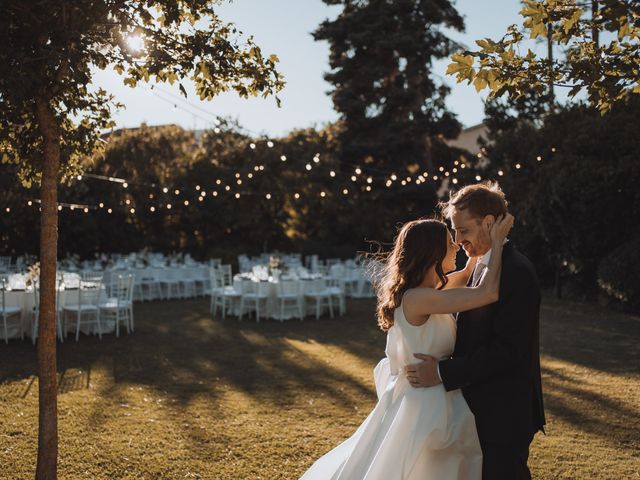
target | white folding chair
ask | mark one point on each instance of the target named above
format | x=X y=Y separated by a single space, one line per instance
x=170 y=280
x=119 y=307
x=223 y=296
x=289 y=298
x=319 y=294
x=10 y=313
x=254 y=298
x=85 y=309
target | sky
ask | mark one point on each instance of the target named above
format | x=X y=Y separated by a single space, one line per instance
x=284 y=27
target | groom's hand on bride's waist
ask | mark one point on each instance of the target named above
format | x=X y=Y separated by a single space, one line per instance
x=424 y=373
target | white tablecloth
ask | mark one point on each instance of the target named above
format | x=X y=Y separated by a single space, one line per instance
x=273 y=305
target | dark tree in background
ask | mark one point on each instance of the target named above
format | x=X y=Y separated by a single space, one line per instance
x=392 y=110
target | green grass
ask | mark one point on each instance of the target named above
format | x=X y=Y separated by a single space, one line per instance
x=188 y=396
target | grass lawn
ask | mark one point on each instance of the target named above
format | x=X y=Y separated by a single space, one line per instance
x=188 y=396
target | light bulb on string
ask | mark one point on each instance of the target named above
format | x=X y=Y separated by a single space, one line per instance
x=168 y=206
x=109 y=210
x=237 y=175
x=322 y=194
x=394 y=177
x=29 y=203
x=198 y=187
x=308 y=166
x=403 y=182
x=125 y=185
x=239 y=182
x=186 y=203
x=283 y=158
x=218 y=182
x=133 y=210
x=353 y=178
x=368 y=189
x=518 y=166
x=270 y=144
x=369 y=180
x=227 y=188
x=435 y=177
x=165 y=190
x=296 y=196
x=358 y=171
x=153 y=209
x=500 y=173
x=261 y=167
x=539 y=158
x=345 y=191
x=332 y=173
x=454 y=181
x=214 y=193
x=59 y=208
x=252 y=146
x=176 y=191
x=478 y=178
x=268 y=196
x=249 y=175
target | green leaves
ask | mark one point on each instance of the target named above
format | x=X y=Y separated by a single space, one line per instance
x=609 y=73
x=179 y=40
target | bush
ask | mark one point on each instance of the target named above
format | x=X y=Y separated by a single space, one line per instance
x=618 y=274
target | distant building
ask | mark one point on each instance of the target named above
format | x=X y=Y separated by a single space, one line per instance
x=468 y=138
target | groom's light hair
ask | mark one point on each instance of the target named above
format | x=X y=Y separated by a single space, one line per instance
x=479 y=199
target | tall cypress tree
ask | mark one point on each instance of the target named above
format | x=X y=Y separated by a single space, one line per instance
x=393 y=112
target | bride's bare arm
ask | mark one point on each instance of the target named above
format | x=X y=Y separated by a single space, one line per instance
x=426 y=301
x=460 y=278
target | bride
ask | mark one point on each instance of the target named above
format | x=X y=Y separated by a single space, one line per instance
x=419 y=433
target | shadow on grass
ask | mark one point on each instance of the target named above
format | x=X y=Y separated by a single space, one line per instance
x=590 y=336
x=179 y=349
x=590 y=412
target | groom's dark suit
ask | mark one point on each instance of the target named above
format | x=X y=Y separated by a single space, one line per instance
x=496 y=363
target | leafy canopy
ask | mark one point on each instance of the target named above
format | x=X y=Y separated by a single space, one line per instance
x=49 y=48
x=608 y=71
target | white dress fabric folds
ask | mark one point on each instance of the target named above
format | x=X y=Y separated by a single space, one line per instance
x=412 y=433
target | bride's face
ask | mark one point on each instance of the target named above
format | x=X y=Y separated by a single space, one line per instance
x=449 y=262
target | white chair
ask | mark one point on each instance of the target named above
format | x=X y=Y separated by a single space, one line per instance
x=289 y=298
x=335 y=287
x=5 y=264
x=10 y=314
x=36 y=311
x=254 y=298
x=85 y=309
x=120 y=306
x=318 y=293
x=171 y=283
x=187 y=282
x=202 y=280
x=223 y=296
x=148 y=284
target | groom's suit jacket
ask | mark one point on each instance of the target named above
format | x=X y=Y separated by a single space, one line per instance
x=496 y=361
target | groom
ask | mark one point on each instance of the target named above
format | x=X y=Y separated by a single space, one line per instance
x=496 y=361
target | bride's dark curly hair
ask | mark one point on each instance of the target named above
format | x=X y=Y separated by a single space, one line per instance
x=420 y=244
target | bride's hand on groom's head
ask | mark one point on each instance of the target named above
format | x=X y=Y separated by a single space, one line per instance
x=501 y=228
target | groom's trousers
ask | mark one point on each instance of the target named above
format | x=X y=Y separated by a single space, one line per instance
x=505 y=462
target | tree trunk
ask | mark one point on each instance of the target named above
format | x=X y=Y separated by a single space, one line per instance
x=552 y=95
x=47 y=370
x=595 y=33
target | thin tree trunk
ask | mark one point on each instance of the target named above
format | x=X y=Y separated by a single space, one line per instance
x=552 y=95
x=595 y=33
x=47 y=370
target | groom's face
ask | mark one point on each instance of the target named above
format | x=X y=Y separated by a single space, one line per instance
x=471 y=233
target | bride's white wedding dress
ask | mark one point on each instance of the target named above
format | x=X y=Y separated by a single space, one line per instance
x=412 y=433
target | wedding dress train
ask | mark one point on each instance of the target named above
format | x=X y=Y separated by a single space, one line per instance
x=412 y=433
